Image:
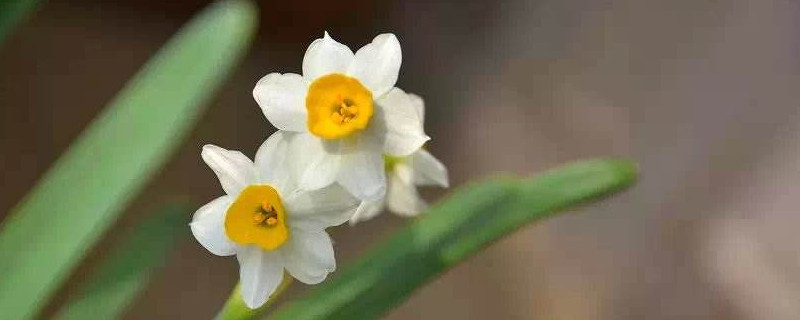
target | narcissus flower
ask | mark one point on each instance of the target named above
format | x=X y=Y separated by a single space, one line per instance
x=345 y=114
x=404 y=175
x=267 y=221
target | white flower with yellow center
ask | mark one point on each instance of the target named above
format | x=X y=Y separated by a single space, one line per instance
x=345 y=113
x=267 y=222
x=405 y=174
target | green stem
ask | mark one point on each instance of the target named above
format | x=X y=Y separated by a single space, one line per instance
x=235 y=309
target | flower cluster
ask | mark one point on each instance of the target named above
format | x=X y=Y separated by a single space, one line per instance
x=348 y=143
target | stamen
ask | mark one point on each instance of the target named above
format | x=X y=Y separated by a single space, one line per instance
x=266 y=214
x=266 y=206
x=345 y=113
x=259 y=218
x=337 y=118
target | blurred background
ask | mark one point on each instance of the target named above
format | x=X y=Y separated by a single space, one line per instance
x=703 y=94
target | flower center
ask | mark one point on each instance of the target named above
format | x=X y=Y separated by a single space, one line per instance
x=257 y=217
x=338 y=106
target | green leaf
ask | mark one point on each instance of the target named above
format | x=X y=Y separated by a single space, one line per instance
x=126 y=271
x=12 y=12
x=471 y=219
x=48 y=233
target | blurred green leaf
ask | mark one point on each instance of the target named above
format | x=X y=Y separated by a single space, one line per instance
x=11 y=12
x=471 y=219
x=48 y=233
x=127 y=269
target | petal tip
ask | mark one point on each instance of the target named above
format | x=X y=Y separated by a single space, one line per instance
x=387 y=36
x=250 y=303
x=207 y=149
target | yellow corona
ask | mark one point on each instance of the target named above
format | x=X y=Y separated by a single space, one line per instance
x=257 y=216
x=338 y=106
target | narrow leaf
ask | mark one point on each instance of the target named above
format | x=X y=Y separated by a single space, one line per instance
x=12 y=12
x=127 y=269
x=48 y=233
x=471 y=219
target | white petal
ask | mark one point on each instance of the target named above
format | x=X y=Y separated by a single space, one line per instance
x=260 y=273
x=208 y=227
x=309 y=255
x=418 y=104
x=315 y=166
x=363 y=174
x=282 y=98
x=234 y=170
x=377 y=64
x=325 y=56
x=427 y=169
x=273 y=161
x=367 y=210
x=398 y=124
x=322 y=208
x=402 y=197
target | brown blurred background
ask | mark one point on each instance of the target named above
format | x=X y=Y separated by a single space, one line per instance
x=705 y=95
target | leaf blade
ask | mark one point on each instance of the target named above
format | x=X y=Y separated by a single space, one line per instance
x=125 y=272
x=12 y=12
x=385 y=276
x=116 y=155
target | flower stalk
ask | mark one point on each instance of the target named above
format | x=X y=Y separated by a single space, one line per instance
x=236 y=309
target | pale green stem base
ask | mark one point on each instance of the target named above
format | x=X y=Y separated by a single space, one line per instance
x=235 y=309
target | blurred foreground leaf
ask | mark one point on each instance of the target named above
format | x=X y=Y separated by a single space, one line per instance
x=11 y=12
x=48 y=233
x=459 y=227
x=127 y=269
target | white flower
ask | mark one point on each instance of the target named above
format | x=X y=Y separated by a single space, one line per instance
x=404 y=175
x=267 y=221
x=345 y=114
